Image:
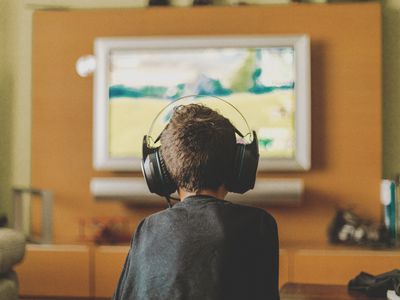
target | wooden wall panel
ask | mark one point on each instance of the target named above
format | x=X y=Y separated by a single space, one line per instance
x=346 y=103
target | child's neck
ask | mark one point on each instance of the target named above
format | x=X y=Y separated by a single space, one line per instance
x=220 y=193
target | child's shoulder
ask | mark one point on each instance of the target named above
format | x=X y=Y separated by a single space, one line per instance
x=252 y=210
x=156 y=216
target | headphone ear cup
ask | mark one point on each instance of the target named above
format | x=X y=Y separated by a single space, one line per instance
x=156 y=174
x=149 y=174
x=245 y=167
x=234 y=184
x=169 y=185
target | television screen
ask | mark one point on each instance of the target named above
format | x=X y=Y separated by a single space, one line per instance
x=261 y=79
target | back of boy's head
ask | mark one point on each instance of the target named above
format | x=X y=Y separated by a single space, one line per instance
x=198 y=147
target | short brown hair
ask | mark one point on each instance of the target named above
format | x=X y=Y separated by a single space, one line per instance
x=198 y=147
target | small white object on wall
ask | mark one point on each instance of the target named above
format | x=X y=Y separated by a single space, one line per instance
x=85 y=65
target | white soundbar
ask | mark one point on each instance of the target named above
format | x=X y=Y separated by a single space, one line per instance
x=133 y=190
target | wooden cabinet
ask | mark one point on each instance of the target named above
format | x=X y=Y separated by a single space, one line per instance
x=93 y=271
x=339 y=266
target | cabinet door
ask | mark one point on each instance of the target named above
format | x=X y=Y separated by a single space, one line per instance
x=339 y=266
x=108 y=261
x=55 y=270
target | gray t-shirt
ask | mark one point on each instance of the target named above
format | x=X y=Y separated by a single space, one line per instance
x=203 y=248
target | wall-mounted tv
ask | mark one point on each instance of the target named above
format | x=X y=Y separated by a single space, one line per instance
x=267 y=78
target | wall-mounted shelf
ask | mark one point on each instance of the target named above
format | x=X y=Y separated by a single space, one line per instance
x=134 y=191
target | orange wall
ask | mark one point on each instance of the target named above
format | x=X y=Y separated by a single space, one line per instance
x=346 y=104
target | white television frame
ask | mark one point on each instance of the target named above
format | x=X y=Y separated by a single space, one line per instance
x=301 y=44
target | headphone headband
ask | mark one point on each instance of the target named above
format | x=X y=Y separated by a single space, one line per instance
x=162 y=118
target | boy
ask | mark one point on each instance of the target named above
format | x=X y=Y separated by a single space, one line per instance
x=203 y=247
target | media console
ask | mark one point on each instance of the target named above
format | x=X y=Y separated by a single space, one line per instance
x=89 y=271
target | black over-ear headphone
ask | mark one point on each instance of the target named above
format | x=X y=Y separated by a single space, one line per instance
x=243 y=176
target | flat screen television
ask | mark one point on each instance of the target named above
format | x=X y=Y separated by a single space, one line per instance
x=267 y=78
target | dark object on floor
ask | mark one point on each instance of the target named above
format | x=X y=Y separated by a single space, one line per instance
x=376 y=286
x=3 y=221
x=202 y=2
x=159 y=2
x=348 y=228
